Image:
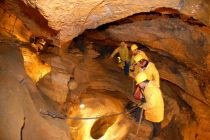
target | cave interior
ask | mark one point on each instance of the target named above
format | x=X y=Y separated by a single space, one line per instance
x=58 y=81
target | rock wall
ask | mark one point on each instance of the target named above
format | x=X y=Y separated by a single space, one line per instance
x=21 y=101
x=180 y=52
x=183 y=48
x=11 y=25
x=63 y=20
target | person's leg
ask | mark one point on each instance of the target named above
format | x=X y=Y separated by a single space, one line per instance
x=156 y=129
x=135 y=112
x=126 y=68
x=138 y=114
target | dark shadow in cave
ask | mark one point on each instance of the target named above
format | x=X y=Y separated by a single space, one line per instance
x=37 y=17
x=79 y=42
x=163 y=11
x=172 y=131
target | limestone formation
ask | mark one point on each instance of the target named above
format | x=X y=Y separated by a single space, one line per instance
x=177 y=40
x=63 y=20
x=21 y=101
x=180 y=52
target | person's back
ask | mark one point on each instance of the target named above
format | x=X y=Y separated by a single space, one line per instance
x=124 y=53
x=154 y=106
x=150 y=70
x=152 y=73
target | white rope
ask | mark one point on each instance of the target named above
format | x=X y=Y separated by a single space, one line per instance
x=139 y=122
x=61 y=116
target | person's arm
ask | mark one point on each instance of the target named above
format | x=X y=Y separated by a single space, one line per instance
x=132 y=74
x=156 y=76
x=132 y=61
x=150 y=99
x=135 y=72
x=114 y=52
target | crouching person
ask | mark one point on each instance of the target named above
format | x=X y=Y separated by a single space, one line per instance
x=154 y=105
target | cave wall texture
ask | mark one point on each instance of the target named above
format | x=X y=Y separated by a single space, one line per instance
x=12 y=25
x=181 y=52
x=63 y=20
x=20 y=101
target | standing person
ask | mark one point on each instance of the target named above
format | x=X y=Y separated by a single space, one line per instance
x=141 y=64
x=154 y=105
x=135 y=51
x=124 y=56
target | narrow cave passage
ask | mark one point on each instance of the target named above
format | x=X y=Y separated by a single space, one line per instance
x=175 y=105
x=59 y=81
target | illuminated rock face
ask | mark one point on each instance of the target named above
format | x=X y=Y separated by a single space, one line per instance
x=33 y=65
x=21 y=101
x=63 y=20
x=173 y=39
x=54 y=85
x=104 y=128
x=11 y=25
x=180 y=52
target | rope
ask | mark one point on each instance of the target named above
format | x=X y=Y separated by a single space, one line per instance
x=139 y=122
x=61 y=116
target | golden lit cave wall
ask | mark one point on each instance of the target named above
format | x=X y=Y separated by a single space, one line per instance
x=97 y=104
x=35 y=68
x=11 y=25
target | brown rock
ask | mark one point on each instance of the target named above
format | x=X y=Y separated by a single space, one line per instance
x=21 y=101
x=181 y=56
x=54 y=17
x=54 y=85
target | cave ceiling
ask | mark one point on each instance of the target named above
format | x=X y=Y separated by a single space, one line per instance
x=62 y=20
x=179 y=49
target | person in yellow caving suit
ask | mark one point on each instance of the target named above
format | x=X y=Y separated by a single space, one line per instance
x=143 y=65
x=135 y=51
x=154 y=105
x=124 y=56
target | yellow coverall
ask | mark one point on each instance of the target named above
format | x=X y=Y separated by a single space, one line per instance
x=123 y=52
x=139 y=53
x=154 y=106
x=151 y=72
